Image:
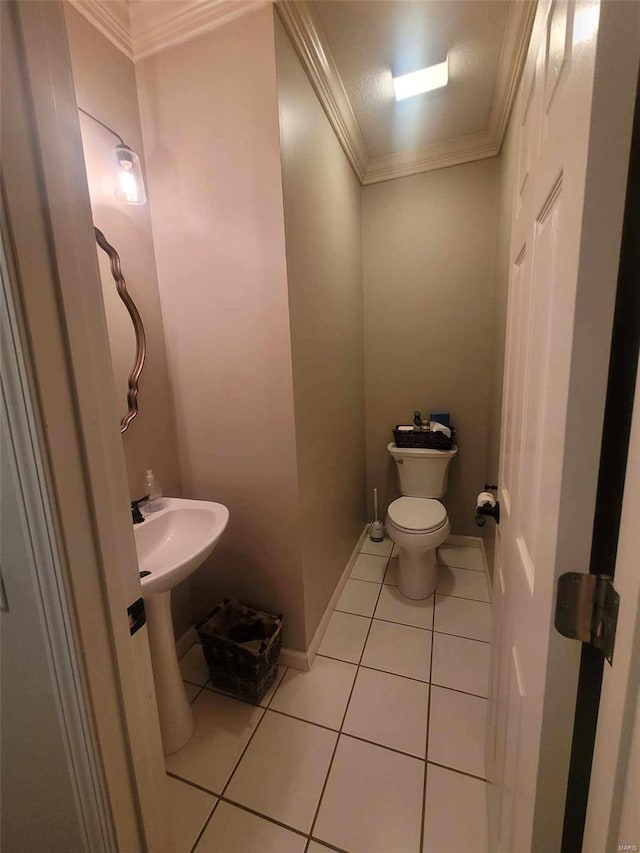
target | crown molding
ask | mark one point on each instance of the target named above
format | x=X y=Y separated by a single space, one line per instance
x=111 y=20
x=512 y=59
x=140 y=30
x=158 y=26
x=313 y=50
x=440 y=155
x=311 y=46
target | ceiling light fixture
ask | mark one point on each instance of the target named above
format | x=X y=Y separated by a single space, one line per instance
x=129 y=180
x=423 y=80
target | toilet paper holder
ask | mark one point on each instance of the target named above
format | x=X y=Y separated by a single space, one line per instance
x=487 y=505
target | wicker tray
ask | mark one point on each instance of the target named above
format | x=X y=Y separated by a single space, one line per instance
x=423 y=438
x=245 y=663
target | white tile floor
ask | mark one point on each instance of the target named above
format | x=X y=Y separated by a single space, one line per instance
x=373 y=750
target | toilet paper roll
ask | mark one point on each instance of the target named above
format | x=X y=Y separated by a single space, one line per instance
x=485 y=498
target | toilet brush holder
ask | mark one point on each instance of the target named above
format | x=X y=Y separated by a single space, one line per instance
x=376 y=528
x=376 y=531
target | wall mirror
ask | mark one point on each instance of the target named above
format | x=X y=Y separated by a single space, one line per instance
x=126 y=332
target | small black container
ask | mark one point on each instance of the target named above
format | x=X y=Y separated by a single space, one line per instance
x=241 y=647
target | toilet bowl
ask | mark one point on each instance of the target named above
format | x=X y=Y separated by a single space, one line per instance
x=417 y=522
x=418 y=526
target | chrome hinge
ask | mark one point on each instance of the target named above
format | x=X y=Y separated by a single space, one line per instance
x=587 y=610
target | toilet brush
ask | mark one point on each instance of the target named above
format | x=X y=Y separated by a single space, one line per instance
x=376 y=529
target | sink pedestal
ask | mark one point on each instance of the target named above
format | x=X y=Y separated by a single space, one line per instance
x=177 y=722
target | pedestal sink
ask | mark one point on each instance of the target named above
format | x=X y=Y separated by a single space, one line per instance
x=171 y=543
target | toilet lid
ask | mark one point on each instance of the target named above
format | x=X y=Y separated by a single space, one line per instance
x=417 y=514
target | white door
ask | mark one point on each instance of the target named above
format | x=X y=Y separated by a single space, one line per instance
x=577 y=91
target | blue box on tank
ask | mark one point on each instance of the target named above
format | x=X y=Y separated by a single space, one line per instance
x=441 y=418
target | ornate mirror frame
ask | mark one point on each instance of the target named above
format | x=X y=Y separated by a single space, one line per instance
x=136 y=319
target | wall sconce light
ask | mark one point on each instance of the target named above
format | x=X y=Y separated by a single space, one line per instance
x=129 y=180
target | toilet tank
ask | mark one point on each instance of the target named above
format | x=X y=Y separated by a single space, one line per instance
x=422 y=473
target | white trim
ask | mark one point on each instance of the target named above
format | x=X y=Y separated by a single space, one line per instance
x=105 y=20
x=440 y=155
x=145 y=29
x=49 y=212
x=185 y=24
x=476 y=542
x=465 y=541
x=515 y=46
x=304 y=660
x=326 y=616
x=184 y=643
x=294 y=657
x=47 y=577
x=316 y=57
x=486 y=567
x=299 y=21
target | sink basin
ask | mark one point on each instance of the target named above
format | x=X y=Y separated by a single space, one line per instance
x=171 y=543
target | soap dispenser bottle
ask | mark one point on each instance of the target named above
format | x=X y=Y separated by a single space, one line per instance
x=153 y=492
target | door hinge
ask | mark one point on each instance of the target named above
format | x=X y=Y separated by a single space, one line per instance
x=587 y=610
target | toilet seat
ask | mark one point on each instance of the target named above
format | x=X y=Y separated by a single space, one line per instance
x=417 y=515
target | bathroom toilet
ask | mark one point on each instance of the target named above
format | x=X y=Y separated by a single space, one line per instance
x=417 y=522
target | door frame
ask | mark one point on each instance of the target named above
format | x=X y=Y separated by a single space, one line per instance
x=594 y=745
x=41 y=578
x=65 y=351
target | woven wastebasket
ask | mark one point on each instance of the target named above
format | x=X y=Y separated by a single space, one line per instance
x=241 y=647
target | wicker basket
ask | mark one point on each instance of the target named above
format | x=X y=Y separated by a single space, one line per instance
x=241 y=647
x=423 y=438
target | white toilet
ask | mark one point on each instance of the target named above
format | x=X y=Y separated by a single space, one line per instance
x=418 y=522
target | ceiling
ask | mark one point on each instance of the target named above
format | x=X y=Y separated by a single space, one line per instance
x=373 y=41
x=351 y=48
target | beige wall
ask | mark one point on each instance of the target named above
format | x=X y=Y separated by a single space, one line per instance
x=322 y=208
x=210 y=120
x=105 y=85
x=429 y=245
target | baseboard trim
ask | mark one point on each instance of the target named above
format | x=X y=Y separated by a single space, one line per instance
x=294 y=658
x=465 y=541
x=184 y=643
x=474 y=542
x=304 y=660
x=326 y=616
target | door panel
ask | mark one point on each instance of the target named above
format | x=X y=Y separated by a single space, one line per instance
x=548 y=468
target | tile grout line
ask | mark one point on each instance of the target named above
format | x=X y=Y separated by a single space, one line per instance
x=349 y=734
x=458 y=771
x=401 y=675
x=338 y=731
x=346 y=709
x=426 y=745
x=309 y=836
x=241 y=756
x=248 y=809
x=221 y=799
x=407 y=625
x=204 y=826
x=444 y=594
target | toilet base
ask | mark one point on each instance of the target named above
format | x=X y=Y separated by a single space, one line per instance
x=417 y=572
